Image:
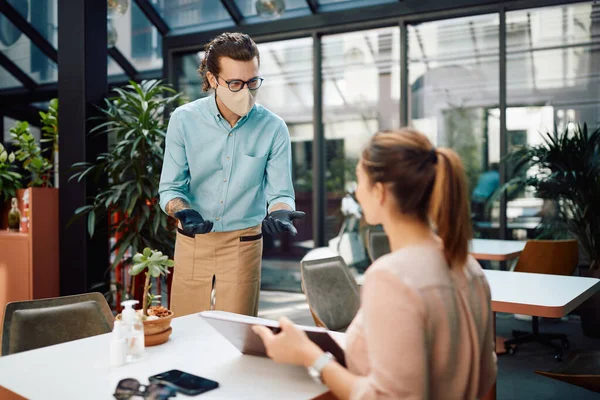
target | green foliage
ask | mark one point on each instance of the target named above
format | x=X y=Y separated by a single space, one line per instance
x=30 y=154
x=10 y=180
x=50 y=129
x=565 y=168
x=156 y=264
x=134 y=124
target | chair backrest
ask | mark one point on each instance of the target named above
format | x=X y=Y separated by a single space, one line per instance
x=33 y=324
x=556 y=257
x=378 y=244
x=331 y=291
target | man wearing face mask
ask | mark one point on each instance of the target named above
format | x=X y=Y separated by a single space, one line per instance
x=226 y=172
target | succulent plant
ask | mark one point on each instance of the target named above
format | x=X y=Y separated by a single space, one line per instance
x=156 y=264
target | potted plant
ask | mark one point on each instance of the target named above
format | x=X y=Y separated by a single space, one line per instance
x=10 y=180
x=565 y=169
x=157 y=319
x=134 y=124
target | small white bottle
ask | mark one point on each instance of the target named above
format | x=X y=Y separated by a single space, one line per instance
x=133 y=330
x=118 y=346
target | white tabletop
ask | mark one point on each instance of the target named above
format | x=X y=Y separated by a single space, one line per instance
x=541 y=295
x=499 y=250
x=80 y=369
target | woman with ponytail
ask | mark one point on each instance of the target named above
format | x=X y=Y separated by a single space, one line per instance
x=425 y=327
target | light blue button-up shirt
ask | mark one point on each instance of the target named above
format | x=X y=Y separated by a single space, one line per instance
x=229 y=175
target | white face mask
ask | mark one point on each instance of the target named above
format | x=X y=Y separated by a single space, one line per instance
x=240 y=102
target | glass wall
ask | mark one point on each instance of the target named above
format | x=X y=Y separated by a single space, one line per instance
x=361 y=94
x=553 y=78
x=453 y=76
x=454 y=89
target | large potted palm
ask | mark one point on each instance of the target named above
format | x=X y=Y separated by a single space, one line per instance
x=565 y=169
x=135 y=124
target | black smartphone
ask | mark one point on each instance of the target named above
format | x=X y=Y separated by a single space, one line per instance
x=184 y=382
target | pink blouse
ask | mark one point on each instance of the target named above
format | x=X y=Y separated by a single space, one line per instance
x=424 y=331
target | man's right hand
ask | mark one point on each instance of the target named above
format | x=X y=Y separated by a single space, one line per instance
x=192 y=222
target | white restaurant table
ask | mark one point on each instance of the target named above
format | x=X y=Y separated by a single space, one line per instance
x=496 y=250
x=80 y=369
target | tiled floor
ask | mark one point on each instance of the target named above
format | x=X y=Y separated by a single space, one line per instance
x=516 y=377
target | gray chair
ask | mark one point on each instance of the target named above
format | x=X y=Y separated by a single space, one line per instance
x=331 y=291
x=377 y=244
x=33 y=324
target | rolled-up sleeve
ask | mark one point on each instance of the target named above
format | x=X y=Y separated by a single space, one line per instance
x=278 y=181
x=399 y=362
x=175 y=176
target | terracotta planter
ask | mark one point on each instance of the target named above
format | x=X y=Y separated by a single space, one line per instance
x=589 y=311
x=156 y=331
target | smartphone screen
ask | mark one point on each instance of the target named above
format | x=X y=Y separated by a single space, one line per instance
x=185 y=383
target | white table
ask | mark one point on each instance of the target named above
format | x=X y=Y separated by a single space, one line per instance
x=538 y=295
x=80 y=369
x=496 y=250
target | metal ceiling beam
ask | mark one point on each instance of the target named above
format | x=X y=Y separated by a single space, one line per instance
x=21 y=24
x=153 y=16
x=313 y=5
x=17 y=72
x=234 y=11
x=123 y=62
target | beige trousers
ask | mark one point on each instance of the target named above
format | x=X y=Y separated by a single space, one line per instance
x=224 y=264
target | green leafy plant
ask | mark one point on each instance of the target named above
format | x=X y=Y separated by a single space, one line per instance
x=135 y=124
x=50 y=132
x=155 y=264
x=10 y=180
x=30 y=153
x=565 y=168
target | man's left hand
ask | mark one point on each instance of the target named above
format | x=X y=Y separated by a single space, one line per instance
x=281 y=221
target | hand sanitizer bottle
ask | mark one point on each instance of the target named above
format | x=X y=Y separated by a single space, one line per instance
x=118 y=347
x=133 y=330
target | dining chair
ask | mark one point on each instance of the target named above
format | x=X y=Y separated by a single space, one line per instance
x=581 y=368
x=377 y=244
x=556 y=257
x=33 y=324
x=331 y=291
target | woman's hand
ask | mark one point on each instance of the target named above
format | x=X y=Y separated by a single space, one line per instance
x=290 y=346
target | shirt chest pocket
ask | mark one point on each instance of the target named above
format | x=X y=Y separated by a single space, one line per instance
x=251 y=170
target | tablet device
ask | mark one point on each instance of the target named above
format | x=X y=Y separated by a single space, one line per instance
x=237 y=329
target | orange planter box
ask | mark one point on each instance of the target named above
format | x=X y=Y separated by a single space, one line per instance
x=29 y=263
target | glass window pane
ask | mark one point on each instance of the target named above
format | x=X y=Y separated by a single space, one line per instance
x=331 y=5
x=138 y=40
x=361 y=94
x=7 y=80
x=553 y=61
x=193 y=15
x=42 y=15
x=453 y=73
x=293 y=8
x=113 y=68
x=20 y=50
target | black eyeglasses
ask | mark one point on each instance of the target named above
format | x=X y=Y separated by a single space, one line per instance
x=235 y=85
x=127 y=388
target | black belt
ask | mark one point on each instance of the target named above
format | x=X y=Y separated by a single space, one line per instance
x=242 y=238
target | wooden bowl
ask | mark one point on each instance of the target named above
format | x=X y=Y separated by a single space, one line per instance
x=159 y=338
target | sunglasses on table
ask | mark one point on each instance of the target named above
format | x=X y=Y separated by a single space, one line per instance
x=128 y=388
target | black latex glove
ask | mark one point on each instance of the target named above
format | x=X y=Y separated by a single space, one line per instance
x=281 y=221
x=192 y=222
